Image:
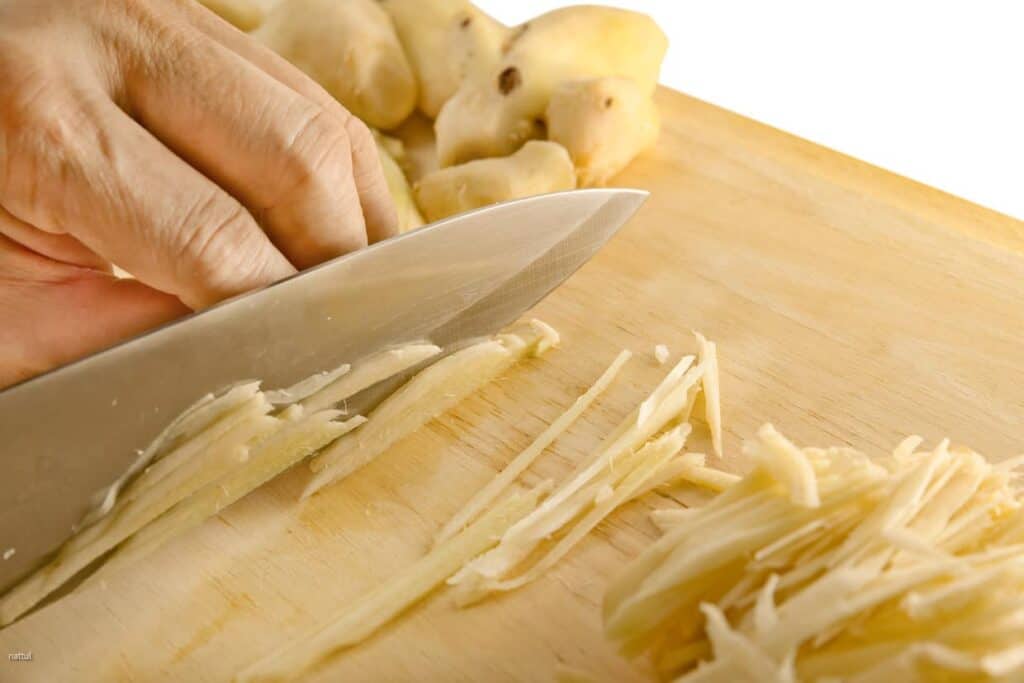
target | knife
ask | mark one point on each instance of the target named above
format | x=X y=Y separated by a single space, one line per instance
x=69 y=433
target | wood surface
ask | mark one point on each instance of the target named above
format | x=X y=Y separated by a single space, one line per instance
x=849 y=305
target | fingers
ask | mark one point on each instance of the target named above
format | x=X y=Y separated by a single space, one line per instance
x=287 y=160
x=85 y=169
x=52 y=313
x=63 y=248
x=377 y=206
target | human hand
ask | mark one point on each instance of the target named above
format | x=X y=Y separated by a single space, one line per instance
x=152 y=135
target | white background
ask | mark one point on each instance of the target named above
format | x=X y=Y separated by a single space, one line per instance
x=931 y=90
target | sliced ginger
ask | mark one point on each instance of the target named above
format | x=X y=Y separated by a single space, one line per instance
x=641 y=454
x=290 y=444
x=489 y=493
x=576 y=517
x=516 y=541
x=369 y=371
x=218 y=449
x=362 y=618
x=190 y=422
x=825 y=564
x=429 y=394
x=214 y=453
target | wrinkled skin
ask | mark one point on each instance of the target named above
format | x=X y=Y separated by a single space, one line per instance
x=152 y=135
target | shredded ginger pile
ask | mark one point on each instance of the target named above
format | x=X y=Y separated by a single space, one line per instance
x=826 y=565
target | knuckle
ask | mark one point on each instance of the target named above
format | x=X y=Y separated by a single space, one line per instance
x=57 y=131
x=219 y=248
x=48 y=142
x=180 y=42
x=24 y=93
x=168 y=30
x=58 y=141
x=367 y=168
x=319 y=146
x=361 y=139
x=162 y=50
x=40 y=104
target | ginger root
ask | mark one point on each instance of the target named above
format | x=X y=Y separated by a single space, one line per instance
x=350 y=48
x=493 y=114
x=447 y=41
x=420 y=153
x=604 y=123
x=538 y=167
x=244 y=14
x=391 y=152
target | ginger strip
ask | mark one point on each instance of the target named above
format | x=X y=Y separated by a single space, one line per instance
x=429 y=394
x=307 y=387
x=368 y=372
x=214 y=453
x=203 y=460
x=490 y=572
x=824 y=564
x=287 y=446
x=521 y=462
x=708 y=353
x=630 y=462
x=360 y=620
x=668 y=403
x=192 y=420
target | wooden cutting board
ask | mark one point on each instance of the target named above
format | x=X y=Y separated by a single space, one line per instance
x=850 y=306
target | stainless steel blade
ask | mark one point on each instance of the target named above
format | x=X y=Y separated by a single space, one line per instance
x=67 y=434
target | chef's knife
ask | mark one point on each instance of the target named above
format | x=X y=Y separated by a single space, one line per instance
x=71 y=432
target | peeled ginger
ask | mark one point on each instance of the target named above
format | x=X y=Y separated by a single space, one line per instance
x=603 y=123
x=538 y=167
x=826 y=564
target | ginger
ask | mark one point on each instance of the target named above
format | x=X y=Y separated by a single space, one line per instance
x=420 y=153
x=214 y=453
x=391 y=151
x=493 y=114
x=244 y=14
x=447 y=41
x=350 y=48
x=430 y=393
x=901 y=566
x=538 y=167
x=489 y=493
x=293 y=441
x=604 y=123
x=362 y=617
x=218 y=449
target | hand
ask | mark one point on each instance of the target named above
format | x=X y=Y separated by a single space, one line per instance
x=152 y=135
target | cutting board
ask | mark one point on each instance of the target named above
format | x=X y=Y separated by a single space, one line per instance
x=850 y=306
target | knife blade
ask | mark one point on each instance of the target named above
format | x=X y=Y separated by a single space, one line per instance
x=69 y=433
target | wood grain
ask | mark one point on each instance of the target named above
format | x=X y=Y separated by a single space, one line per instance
x=849 y=305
